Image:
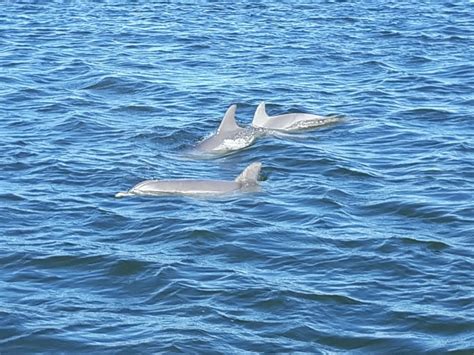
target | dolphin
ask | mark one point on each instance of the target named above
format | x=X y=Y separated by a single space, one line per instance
x=229 y=136
x=246 y=181
x=289 y=121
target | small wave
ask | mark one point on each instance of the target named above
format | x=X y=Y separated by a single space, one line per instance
x=75 y=69
x=322 y=297
x=343 y=170
x=135 y=109
x=105 y=83
x=117 y=85
x=12 y=197
x=418 y=210
x=82 y=124
x=428 y=111
x=127 y=267
x=68 y=260
x=430 y=244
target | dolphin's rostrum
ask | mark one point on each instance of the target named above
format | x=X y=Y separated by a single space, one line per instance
x=247 y=180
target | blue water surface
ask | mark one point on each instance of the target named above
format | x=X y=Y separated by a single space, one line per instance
x=361 y=239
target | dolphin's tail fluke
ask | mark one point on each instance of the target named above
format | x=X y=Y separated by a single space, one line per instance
x=250 y=175
x=260 y=116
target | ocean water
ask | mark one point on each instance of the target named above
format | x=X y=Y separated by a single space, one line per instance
x=360 y=240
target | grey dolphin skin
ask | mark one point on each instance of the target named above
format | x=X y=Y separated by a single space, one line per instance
x=229 y=136
x=247 y=180
x=288 y=122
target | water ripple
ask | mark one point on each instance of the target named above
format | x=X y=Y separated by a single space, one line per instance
x=359 y=240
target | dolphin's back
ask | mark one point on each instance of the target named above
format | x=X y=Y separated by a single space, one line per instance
x=246 y=181
x=229 y=136
x=288 y=122
x=294 y=121
x=185 y=187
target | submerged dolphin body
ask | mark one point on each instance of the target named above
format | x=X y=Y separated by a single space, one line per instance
x=289 y=121
x=229 y=136
x=245 y=181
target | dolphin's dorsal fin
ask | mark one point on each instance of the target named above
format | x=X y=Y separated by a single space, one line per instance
x=228 y=122
x=260 y=116
x=250 y=174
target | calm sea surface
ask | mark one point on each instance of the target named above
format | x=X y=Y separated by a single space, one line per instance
x=361 y=239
